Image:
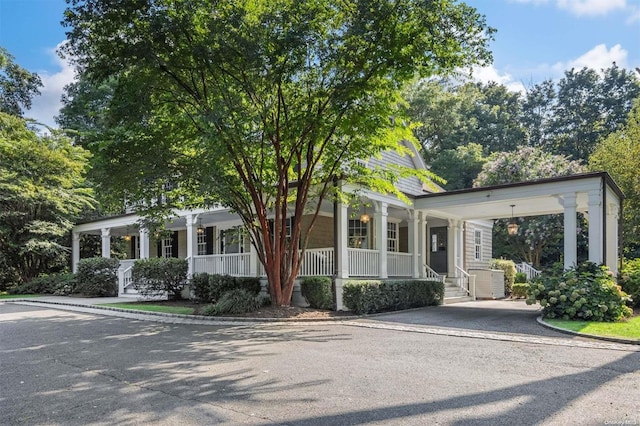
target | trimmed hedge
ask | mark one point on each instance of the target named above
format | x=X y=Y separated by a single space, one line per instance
x=236 y=301
x=587 y=292
x=366 y=297
x=520 y=277
x=317 y=292
x=519 y=290
x=210 y=288
x=155 y=276
x=97 y=277
x=509 y=268
x=62 y=284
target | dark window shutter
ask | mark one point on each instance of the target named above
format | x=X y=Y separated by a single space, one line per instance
x=174 y=244
x=208 y=238
x=160 y=248
x=132 y=247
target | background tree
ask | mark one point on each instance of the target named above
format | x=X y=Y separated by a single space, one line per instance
x=236 y=101
x=538 y=237
x=42 y=189
x=619 y=154
x=17 y=85
x=460 y=166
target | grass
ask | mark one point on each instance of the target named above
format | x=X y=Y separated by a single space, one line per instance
x=152 y=308
x=629 y=329
x=17 y=296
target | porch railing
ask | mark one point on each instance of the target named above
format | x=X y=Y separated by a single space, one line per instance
x=125 y=277
x=316 y=262
x=399 y=264
x=235 y=264
x=528 y=270
x=363 y=262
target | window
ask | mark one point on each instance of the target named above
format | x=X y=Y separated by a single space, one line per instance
x=232 y=240
x=167 y=247
x=202 y=243
x=358 y=237
x=392 y=236
x=477 y=243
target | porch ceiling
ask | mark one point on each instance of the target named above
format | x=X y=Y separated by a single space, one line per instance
x=535 y=198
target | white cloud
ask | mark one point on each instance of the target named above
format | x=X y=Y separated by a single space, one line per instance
x=584 y=7
x=490 y=73
x=597 y=58
x=46 y=106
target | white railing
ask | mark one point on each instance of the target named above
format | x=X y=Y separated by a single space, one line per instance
x=363 y=262
x=528 y=270
x=125 y=278
x=235 y=264
x=466 y=282
x=433 y=275
x=399 y=264
x=317 y=262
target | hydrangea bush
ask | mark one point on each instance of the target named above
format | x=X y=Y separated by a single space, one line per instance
x=587 y=292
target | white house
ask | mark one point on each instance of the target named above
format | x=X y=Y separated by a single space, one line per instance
x=436 y=235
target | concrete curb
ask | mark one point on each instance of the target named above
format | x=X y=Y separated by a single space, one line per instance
x=540 y=321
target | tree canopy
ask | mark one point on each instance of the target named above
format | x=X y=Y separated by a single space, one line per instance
x=17 y=85
x=42 y=190
x=262 y=105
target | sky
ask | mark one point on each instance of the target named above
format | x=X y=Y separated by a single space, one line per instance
x=536 y=40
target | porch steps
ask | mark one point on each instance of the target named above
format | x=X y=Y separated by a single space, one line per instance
x=454 y=294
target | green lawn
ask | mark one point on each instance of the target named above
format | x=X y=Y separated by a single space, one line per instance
x=17 y=296
x=629 y=329
x=153 y=308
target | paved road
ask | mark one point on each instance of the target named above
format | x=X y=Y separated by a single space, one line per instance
x=73 y=368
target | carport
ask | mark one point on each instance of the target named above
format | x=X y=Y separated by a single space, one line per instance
x=594 y=194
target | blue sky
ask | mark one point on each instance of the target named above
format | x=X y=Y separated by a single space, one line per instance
x=536 y=40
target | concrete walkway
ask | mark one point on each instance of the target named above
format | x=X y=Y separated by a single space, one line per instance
x=505 y=320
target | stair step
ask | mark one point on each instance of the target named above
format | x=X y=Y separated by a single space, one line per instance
x=450 y=300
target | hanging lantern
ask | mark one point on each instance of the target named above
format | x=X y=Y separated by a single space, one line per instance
x=364 y=217
x=512 y=227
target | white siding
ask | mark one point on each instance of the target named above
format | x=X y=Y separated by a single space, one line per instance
x=486 y=228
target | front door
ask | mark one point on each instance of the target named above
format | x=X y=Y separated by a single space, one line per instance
x=438 y=248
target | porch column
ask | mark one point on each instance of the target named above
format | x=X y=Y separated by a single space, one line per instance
x=413 y=243
x=422 y=244
x=192 y=241
x=75 y=251
x=380 y=218
x=253 y=261
x=144 y=243
x=342 y=255
x=595 y=226
x=570 y=237
x=106 y=242
x=612 y=223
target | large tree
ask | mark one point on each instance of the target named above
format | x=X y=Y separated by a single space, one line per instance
x=17 y=85
x=539 y=235
x=619 y=154
x=262 y=105
x=42 y=190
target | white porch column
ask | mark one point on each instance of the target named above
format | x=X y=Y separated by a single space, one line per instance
x=192 y=241
x=595 y=226
x=380 y=219
x=460 y=245
x=144 y=243
x=342 y=255
x=570 y=237
x=612 y=223
x=423 y=245
x=75 y=251
x=253 y=261
x=106 y=242
x=413 y=240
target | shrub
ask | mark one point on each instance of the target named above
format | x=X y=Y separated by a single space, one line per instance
x=236 y=301
x=377 y=296
x=155 y=276
x=509 y=269
x=630 y=280
x=587 y=292
x=209 y=288
x=519 y=290
x=520 y=277
x=317 y=292
x=97 y=277
x=61 y=284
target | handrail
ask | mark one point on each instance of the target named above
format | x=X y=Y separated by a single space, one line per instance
x=433 y=275
x=528 y=270
x=471 y=282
